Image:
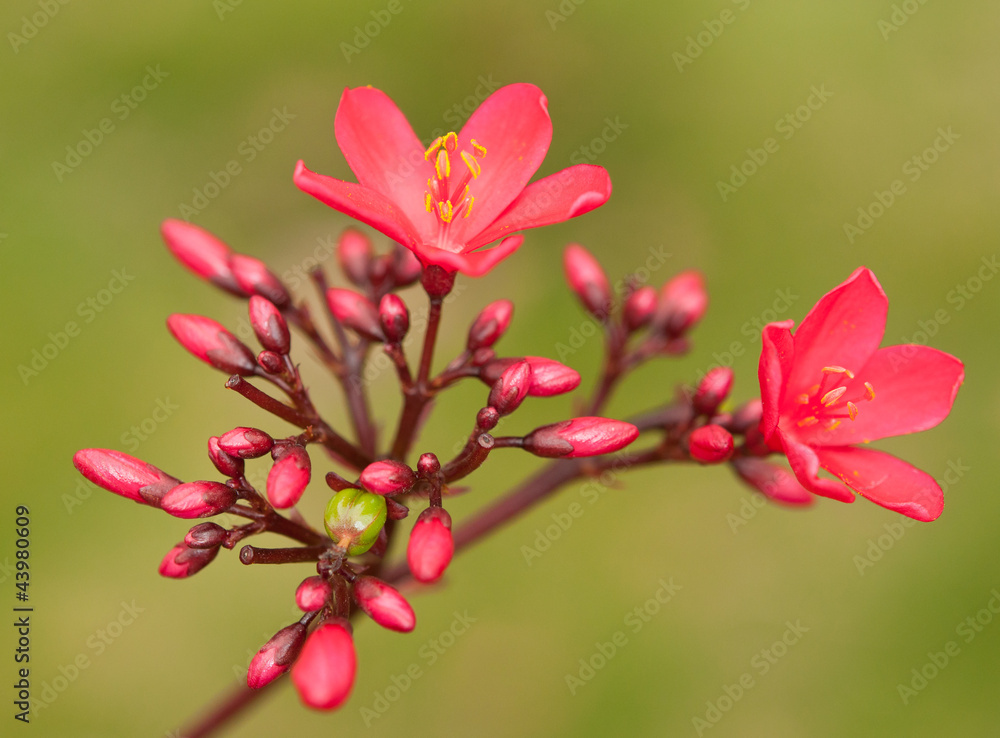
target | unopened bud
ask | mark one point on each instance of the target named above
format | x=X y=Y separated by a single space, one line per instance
x=683 y=301
x=182 y=561
x=406 y=268
x=212 y=343
x=124 y=475
x=490 y=325
x=428 y=465
x=713 y=390
x=354 y=254
x=312 y=594
x=431 y=546
x=277 y=656
x=198 y=500
x=710 y=444
x=384 y=604
x=773 y=481
x=269 y=325
x=587 y=436
x=324 y=672
x=487 y=418
x=255 y=278
x=205 y=535
x=639 y=307
x=548 y=377
x=388 y=478
x=356 y=312
x=289 y=476
x=201 y=253
x=747 y=416
x=394 y=318
x=231 y=466
x=354 y=518
x=271 y=362
x=246 y=443
x=511 y=388
x=587 y=279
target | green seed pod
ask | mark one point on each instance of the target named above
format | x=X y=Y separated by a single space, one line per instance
x=354 y=519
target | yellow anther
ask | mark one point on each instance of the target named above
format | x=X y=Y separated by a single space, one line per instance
x=468 y=208
x=831 y=397
x=445 y=211
x=442 y=164
x=831 y=424
x=478 y=148
x=451 y=141
x=838 y=370
x=811 y=420
x=869 y=391
x=803 y=399
x=472 y=164
x=852 y=410
x=429 y=202
x=432 y=148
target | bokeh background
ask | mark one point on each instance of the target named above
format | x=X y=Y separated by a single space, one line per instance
x=668 y=97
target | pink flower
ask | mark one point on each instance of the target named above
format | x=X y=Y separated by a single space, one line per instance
x=830 y=387
x=464 y=192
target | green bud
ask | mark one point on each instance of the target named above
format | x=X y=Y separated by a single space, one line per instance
x=354 y=519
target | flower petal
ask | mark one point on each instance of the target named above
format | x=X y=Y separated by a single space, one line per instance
x=915 y=387
x=359 y=202
x=885 y=480
x=383 y=151
x=776 y=359
x=843 y=329
x=553 y=199
x=805 y=464
x=514 y=125
x=476 y=264
x=772 y=480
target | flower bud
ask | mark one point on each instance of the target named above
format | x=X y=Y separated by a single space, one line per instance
x=354 y=518
x=437 y=281
x=201 y=253
x=747 y=416
x=355 y=312
x=490 y=325
x=324 y=672
x=271 y=363
x=354 y=255
x=511 y=388
x=548 y=377
x=430 y=547
x=487 y=418
x=276 y=656
x=587 y=436
x=246 y=443
x=231 y=466
x=683 y=301
x=205 y=535
x=710 y=444
x=388 y=478
x=312 y=594
x=269 y=325
x=428 y=465
x=289 y=476
x=212 y=343
x=182 y=561
x=713 y=390
x=406 y=267
x=198 y=500
x=639 y=307
x=587 y=279
x=394 y=318
x=774 y=481
x=384 y=604
x=124 y=475
x=255 y=278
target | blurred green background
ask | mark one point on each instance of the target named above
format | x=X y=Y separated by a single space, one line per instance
x=667 y=97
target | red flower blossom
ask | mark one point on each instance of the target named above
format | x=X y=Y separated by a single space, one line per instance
x=830 y=387
x=464 y=192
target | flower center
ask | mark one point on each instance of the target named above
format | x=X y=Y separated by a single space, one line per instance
x=826 y=404
x=447 y=194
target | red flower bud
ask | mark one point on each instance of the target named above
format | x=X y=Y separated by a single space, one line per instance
x=324 y=672
x=354 y=254
x=183 y=561
x=548 y=377
x=255 y=278
x=713 y=390
x=271 y=363
x=205 y=535
x=587 y=436
x=511 y=388
x=639 y=307
x=683 y=301
x=269 y=325
x=388 y=478
x=428 y=465
x=747 y=416
x=710 y=444
x=198 y=500
x=384 y=604
x=231 y=466
x=355 y=312
x=490 y=325
x=212 y=343
x=289 y=476
x=246 y=443
x=394 y=318
x=774 y=481
x=312 y=594
x=431 y=547
x=587 y=279
x=124 y=475
x=201 y=253
x=406 y=267
x=276 y=656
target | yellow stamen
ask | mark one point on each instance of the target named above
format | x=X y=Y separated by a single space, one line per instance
x=468 y=208
x=811 y=420
x=838 y=370
x=445 y=211
x=429 y=202
x=432 y=148
x=472 y=164
x=869 y=391
x=831 y=397
x=442 y=163
x=803 y=399
x=451 y=141
x=478 y=148
x=852 y=410
x=831 y=425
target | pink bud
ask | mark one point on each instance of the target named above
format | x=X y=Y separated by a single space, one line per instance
x=228 y=465
x=354 y=254
x=487 y=418
x=276 y=656
x=713 y=390
x=511 y=388
x=747 y=416
x=271 y=363
x=428 y=465
x=255 y=278
x=431 y=547
x=246 y=443
x=355 y=312
x=683 y=301
x=198 y=500
x=394 y=318
x=124 y=475
x=269 y=325
x=324 y=672
x=406 y=268
x=182 y=561
x=205 y=535
x=289 y=476
x=587 y=279
x=312 y=594
x=213 y=344
x=588 y=436
x=710 y=444
x=639 y=307
x=383 y=604
x=201 y=253
x=388 y=478
x=490 y=325
x=774 y=481
x=548 y=377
